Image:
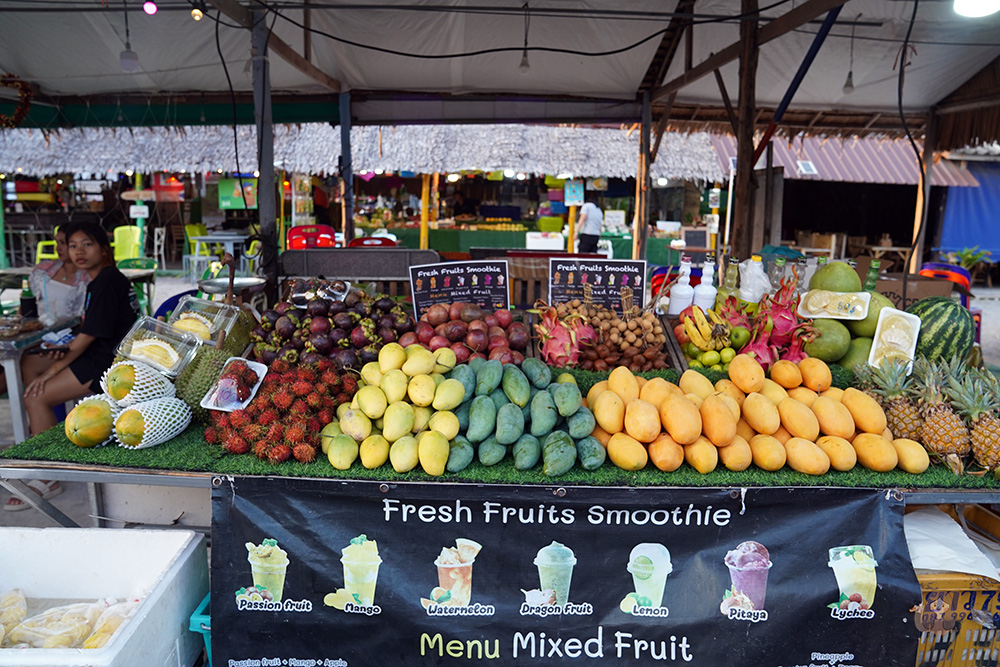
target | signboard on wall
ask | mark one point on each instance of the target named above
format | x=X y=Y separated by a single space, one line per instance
x=230 y=197
x=481 y=282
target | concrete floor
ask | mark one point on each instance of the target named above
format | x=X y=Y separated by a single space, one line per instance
x=75 y=502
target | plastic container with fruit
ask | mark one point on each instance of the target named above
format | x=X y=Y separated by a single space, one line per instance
x=895 y=337
x=205 y=319
x=237 y=385
x=159 y=344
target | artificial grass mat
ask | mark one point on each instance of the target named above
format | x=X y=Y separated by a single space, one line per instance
x=189 y=452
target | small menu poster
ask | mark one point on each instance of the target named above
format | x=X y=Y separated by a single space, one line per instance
x=606 y=278
x=481 y=282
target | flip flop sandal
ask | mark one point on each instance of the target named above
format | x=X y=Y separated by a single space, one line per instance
x=45 y=489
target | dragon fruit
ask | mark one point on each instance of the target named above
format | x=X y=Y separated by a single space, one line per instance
x=582 y=332
x=760 y=346
x=781 y=307
x=561 y=340
x=803 y=334
x=732 y=313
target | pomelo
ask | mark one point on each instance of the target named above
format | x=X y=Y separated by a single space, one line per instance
x=832 y=343
x=857 y=353
x=836 y=277
x=866 y=327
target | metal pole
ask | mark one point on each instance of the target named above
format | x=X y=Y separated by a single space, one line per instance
x=266 y=204
x=4 y=263
x=346 y=170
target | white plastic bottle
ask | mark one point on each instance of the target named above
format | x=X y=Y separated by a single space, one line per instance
x=681 y=294
x=705 y=292
x=753 y=284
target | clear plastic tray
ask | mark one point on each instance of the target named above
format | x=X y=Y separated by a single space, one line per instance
x=208 y=401
x=136 y=346
x=884 y=338
x=219 y=316
x=839 y=306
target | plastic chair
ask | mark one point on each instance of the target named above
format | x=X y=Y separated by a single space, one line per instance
x=370 y=241
x=310 y=236
x=47 y=249
x=160 y=246
x=128 y=242
x=199 y=254
x=145 y=295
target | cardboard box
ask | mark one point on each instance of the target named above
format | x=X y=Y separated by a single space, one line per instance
x=918 y=287
x=168 y=569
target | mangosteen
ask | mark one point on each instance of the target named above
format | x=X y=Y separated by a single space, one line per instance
x=345 y=359
x=338 y=335
x=361 y=308
x=343 y=321
x=368 y=354
x=359 y=338
x=289 y=354
x=387 y=335
x=258 y=335
x=317 y=307
x=283 y=306
x=268 y=318
x=284 y=327
x=384 y=304
x=351 y=299
x=335 y=307
x=320 y=325
x=312 y=358
x=385 y=321
x=321 y=343
x=403 y=324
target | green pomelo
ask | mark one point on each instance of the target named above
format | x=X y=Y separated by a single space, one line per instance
x=836 y=277
x=832 y=342
x=866 y=327
x=857 y=353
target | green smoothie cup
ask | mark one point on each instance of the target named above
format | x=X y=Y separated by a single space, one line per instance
x=555 y=570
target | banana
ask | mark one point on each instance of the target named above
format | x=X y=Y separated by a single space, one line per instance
x=700 y=341
x=701 y=321
x=717 y=320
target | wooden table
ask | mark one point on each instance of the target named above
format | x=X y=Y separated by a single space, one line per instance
x=880 y=251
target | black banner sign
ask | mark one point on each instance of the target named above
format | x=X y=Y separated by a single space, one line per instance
x=484 y=283
x=606 y=278
x=331 y=573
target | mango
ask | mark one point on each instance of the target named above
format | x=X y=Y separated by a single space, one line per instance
x=537 y=372
x=394 y=384
x=744 y=430
x=558 y=453
x=582 y=423
x=665 y=453
x=392 y=356
x=622 y=382
x=746 y=373
x=432 y=450
x=834 y=418
x=374 y=451
x=786 y=373
x=372 y=401
x=693 y=382
x=462 y=412
x=477 y=362
x=516 y=386
x=841 y=453
x=499 y=398
x=328 y=433
x=342 y=451
x=609 y=411
x=729 y=388
x=421 y=390
x=342 y=408
x=464 y=374
x=730 y=402
x=695 y=398
x=626 y=452
x=590 y=453
x=566 y=377
x=567 y=398
x=761 y=414
x=398 y=421
x=782 y=434
x=527 y=452
x=835 y=393
x=642 y=420
x=912 y=455
x=875 y=452
x=815 y=374
x=773 y=391
x=803 y=395
x=445 y=423
x=543 y=414
x=356 y=424
x=482 y=419
x=806 y=456
x=491 y=452
x=798 y=419
x=736 y=455
x=510 y=424
x=717 y=420
x=444 y=359
x=488 y=377
x=594 y=391
x=460 y=454
x=448 y=395
x=867 y=413
x=421 y=416
x=655 y=391
x=371 y=373
x=438 y=378
x=681 y=418
x=702 y=455
x=403 y=454
x=602 y=436
x=419 y=362
x=768 y=452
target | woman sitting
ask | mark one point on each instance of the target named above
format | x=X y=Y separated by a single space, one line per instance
x=59 y=285
x=110 y=310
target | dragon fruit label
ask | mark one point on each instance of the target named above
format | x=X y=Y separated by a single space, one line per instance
x=484 y=283
x=606 y=278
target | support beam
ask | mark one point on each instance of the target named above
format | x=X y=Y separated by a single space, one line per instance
x=640 y=225
x=969 y=105
x=266 y=191
x=346 y=168
x=743 y=196
x=242 y=15
x=661 y=128
x=726 y=101
x=776 y=28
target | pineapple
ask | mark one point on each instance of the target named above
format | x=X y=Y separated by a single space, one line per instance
x=978 y=403
x=901 y=414
x=864 y=381
x=943 y=432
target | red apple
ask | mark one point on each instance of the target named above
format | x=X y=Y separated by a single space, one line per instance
x=477 y=324
x=491 y=320
x=502 y=354
x=477 y=340
x=681 y=335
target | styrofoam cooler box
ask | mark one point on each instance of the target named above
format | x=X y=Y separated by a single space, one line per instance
x=168 y=569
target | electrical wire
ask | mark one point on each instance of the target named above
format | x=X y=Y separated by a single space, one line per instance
x=909 y=135
x=232 y=95
x=890 y=40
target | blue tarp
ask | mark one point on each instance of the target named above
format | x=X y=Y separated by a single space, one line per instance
x=972 y=215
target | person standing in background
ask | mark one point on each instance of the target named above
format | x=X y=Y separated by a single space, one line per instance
x=588 y=228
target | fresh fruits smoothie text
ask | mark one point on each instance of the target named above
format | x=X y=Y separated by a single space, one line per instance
x=555 y=570
x=650 y=564
x=748 y=566
x=361 y=561
x=854 y=567
x=268 y=563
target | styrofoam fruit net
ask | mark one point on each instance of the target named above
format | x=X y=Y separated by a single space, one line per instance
x=115 y=411
x=151 y=423
x=149 y=383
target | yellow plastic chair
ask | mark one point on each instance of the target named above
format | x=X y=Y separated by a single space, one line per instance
x=46 y=249
x=199 y=254
x=128 y=242
x=145 y=295
x=251 y=258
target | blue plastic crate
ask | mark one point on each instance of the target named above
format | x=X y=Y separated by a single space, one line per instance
x=201 y=621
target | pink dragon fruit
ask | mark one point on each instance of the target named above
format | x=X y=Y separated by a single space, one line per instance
x=582 y=332
x=732 y=313
x=561 y=340
x=802 y=335
x=781 y=307
x=760 y=346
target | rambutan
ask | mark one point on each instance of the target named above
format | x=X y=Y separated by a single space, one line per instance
x=276 y=432
x=349 y=384
x=279 y=453
x=222 y=419
x=268 y=417
x=280 y=366
x=307 y=373
x=330 y=378
x=314 y=401
x=236 y=445
x=301 y=387
x=260 y=449
x=283 y=398
x=299 y=407
x=342 y=398
x=321 y=389
x=212 y=435
x=304 y=453
x=253 y=432
x=329 y=402
x=313 y=425
x=325 y=416
x=238 y=419
x=295 y=433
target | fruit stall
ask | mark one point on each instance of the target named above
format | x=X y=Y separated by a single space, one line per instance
x=445 y=418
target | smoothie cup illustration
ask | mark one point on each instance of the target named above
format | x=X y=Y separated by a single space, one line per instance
x=555 y=570
x=361 y=560
x=650 y=564
x=268 y=563
x=454 y=566
x=748 y=566
x=854 y=566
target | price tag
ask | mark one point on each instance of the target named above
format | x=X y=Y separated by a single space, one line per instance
x=138 y=211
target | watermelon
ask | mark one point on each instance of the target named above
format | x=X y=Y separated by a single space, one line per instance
x=946 y=328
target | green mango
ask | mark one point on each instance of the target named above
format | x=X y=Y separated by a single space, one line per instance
x=460 y=454
x=527 y=450
x=510 y=424
x=567 y=398
x=476 y=363
x=558 y=454
x=464 y=374
x=543 y=414
x=491 y=452
x=499 y=398
x=591 y=453
x=582 y=423
x=516 y=385
x=462 y=412
x=482 y=419
x=537 y=372
x=488 y=377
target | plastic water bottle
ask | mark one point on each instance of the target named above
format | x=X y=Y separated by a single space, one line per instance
x=776 y=272
x=727 y=287
x=704 y=292
x=681 y=294
x=753 y=284
x=872 y=276
x=802 y=284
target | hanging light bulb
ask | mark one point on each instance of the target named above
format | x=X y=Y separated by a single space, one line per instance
x=197 y=14
x=525 y=66
x=129 y=58
x=198 y=9
x=976 y=8
x=849 y=84
x=149 y=7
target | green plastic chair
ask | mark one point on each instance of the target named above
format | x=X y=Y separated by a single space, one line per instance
x=128 y=242
x=145 y=295
x=47 y=249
